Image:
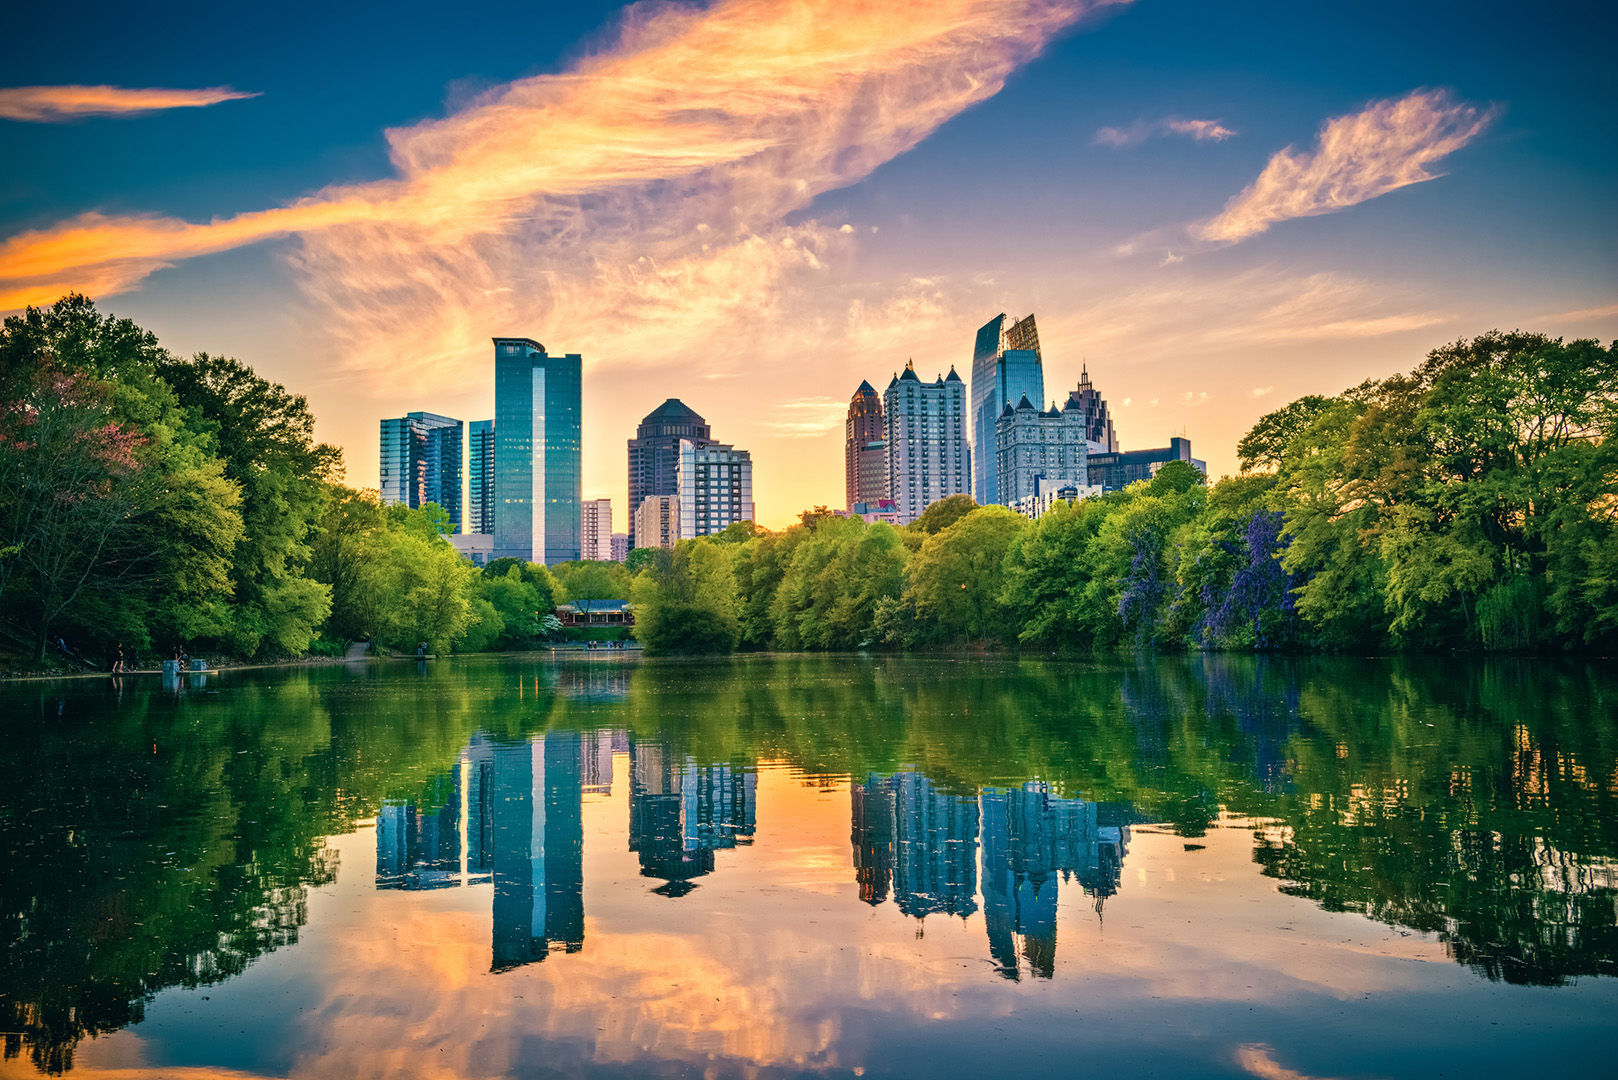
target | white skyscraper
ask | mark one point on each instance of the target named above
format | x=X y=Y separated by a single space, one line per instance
x=715 y=486
x=595 y=529
x=928 y=457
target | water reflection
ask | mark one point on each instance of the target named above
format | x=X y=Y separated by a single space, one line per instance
x=156 y=840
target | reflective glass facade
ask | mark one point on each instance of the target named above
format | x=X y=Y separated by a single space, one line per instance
x=421 y=462
x=538 y=483
x=1006 y=366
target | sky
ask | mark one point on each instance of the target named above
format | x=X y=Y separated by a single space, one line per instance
x=752 y=205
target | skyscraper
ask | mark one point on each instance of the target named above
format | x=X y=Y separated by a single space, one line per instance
x=480 y=484
x=595 y=537
x=1006 y=365
x=654 y=451
x=538 y=480
x=421 y=462
x=927 y=455
x=1034 y=446
x=715 y=487
x=865 y=449
x=1097 y=419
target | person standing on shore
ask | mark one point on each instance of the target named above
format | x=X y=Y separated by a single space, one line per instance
x=118 y=658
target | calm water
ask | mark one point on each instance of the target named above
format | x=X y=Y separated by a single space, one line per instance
x=814 y=866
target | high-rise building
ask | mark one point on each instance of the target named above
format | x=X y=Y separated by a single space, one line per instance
x=1034 y=446
x=595 y=529
x=654 y=451
x=865 y=448
x=538 y=480
x=715 y=485
x=1097 y=419
x=1006 y=366
x=927 y=454
x=421 y=462
x=620 y=547
x=480 y=481
x=1116 y=471
x=657 y=521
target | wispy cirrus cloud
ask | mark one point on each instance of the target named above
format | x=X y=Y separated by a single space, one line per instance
x=1582 y=315
x=1386 y=146
x=54 y=104
x=1138 y=132
x=636 y=201
x=807 y=418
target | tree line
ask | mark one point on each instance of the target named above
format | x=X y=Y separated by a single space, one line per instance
x=149 y=500
x=1471 y=504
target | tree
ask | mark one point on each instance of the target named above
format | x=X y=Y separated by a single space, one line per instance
x=265 y=438
x=943 y=513
x=954 y=580
x=115 y=521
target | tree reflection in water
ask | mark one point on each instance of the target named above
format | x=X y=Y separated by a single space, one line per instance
x=154 y=839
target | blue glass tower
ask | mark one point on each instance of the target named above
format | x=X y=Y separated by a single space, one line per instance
x=1006 y=365
x=421 y=462
x=538 y=483
x=480 y=478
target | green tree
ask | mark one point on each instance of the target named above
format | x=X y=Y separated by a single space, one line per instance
x=943 y=513
x=954 y=581
x=265 y=438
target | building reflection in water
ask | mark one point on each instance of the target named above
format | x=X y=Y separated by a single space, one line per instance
x=511 y=815
x=681 y=812
x=1032 y=840
x=922 y=840
x=924 y=844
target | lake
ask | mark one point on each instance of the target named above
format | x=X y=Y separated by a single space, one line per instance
x=814 y=866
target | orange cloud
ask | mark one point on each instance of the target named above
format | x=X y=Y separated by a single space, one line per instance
x=1386 y=146
x=48 y=104
x=633 y=205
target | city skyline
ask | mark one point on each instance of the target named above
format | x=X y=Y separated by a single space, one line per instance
x=1215 y=223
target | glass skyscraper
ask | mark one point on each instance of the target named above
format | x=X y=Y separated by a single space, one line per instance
x=421 y=462
x=538 y=480
x=1006 y=365
x=480 y=481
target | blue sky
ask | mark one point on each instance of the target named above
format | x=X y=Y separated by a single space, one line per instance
x=890 y=250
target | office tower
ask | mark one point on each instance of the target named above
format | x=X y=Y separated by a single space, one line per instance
x=865 y=464
x=620 y=546
x=537 y=848
x=927 y=454
x=657 y=521
x=538 y=482
x=480 y=482
x=421 y=462
x=1097 y=419
x=595 y=529
x=715 y=485
x=1116 y=471
x=1006 y=366
x=654 y=454
x=1039 y=449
